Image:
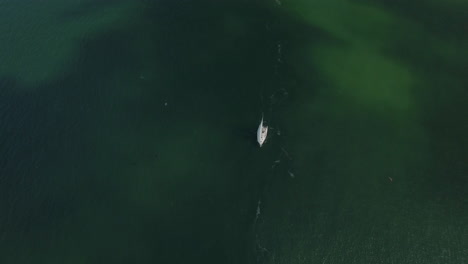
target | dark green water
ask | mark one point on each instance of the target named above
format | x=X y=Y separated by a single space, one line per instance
x=127 y=131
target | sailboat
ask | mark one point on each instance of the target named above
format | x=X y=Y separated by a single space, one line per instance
x=262 y=132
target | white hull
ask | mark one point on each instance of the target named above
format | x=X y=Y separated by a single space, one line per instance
x=262 y=132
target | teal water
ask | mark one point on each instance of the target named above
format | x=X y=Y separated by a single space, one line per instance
x=127 y=131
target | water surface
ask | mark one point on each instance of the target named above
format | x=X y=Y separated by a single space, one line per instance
x=127 y=131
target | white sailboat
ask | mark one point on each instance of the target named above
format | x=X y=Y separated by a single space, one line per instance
x=262 y=132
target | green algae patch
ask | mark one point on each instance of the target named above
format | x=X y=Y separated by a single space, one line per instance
x=365 y=78
x=41 y=48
